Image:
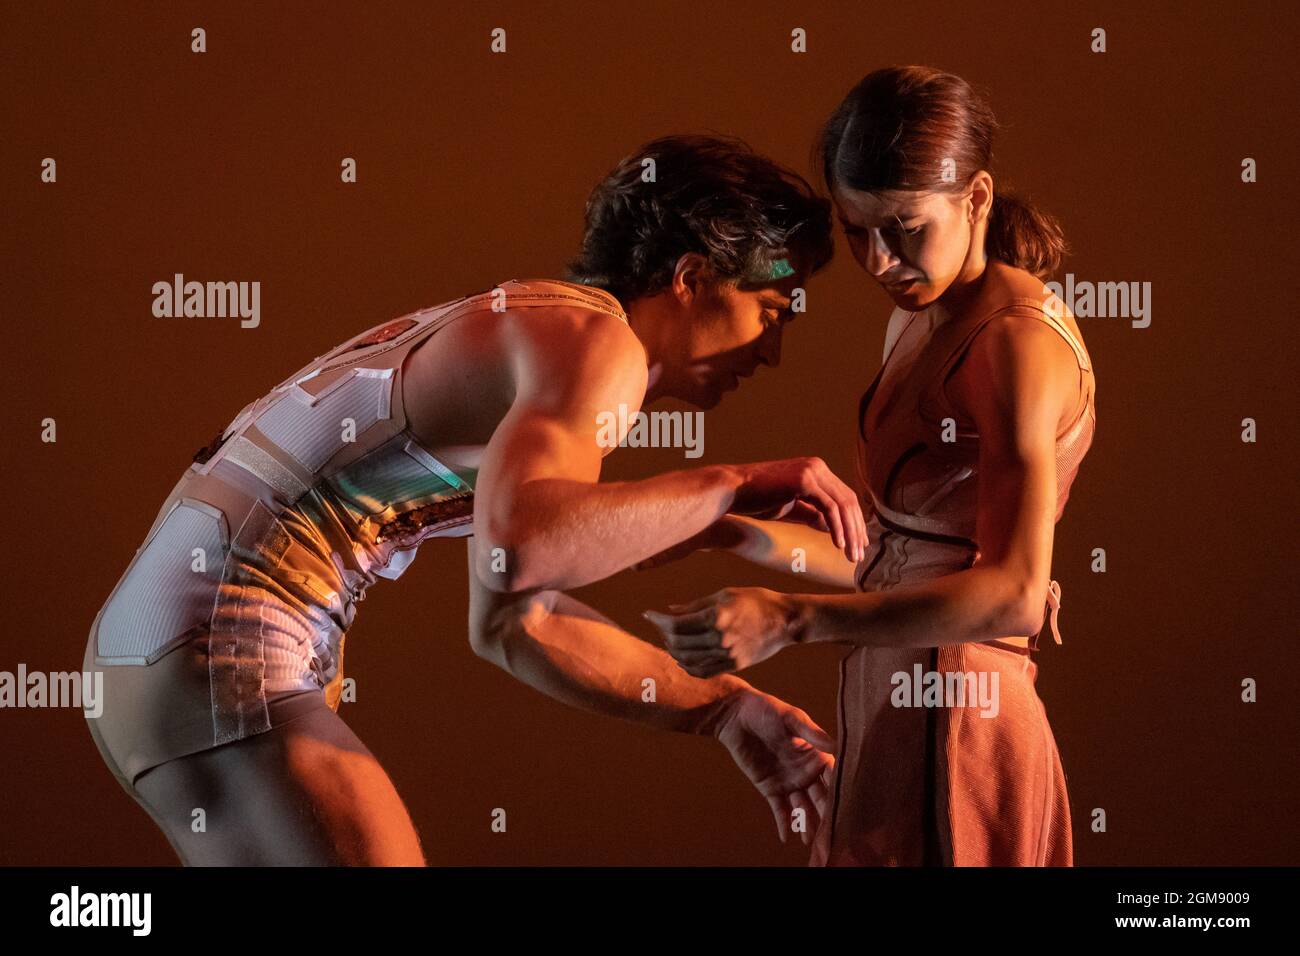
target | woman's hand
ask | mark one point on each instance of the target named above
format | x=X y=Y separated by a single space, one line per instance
x=730 y=630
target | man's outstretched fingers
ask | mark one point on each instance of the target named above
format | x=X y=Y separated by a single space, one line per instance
x=820 y=797
x=806 y=514
x=799 y=800
x=855 y=527
x=801 y=725
x=830 y=510
x=851 y=514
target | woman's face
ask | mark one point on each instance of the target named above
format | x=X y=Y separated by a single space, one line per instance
x=913 y=243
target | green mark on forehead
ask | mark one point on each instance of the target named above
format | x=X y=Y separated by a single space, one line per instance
x=775 y=271
x=780 y=269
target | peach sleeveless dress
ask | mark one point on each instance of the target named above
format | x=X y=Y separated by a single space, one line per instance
x=962 y=784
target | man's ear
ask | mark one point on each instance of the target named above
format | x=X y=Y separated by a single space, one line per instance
x=689 y=277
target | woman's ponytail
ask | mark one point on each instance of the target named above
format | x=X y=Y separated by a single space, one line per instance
x=1023 y=236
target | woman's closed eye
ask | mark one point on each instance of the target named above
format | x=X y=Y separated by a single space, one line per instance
x=857 y=232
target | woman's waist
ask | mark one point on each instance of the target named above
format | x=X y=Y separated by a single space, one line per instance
x=884 y=677
x=901 y=556
x=897 y=554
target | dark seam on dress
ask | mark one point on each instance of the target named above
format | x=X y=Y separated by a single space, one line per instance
x=930 y=852
x=898 y=463
x=1009 y=647
x=839 y=761
x=925 y=535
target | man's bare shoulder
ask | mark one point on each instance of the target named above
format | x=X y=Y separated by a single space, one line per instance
x=578 y=345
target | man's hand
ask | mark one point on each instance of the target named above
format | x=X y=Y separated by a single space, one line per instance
x=776 y=489
x=784 y=754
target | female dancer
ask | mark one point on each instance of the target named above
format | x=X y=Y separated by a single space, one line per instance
x=221 y=645
x=969 y=439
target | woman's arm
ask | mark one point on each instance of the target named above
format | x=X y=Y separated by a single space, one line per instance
x=791 y=544
x=795 y=548
x=1018 y=382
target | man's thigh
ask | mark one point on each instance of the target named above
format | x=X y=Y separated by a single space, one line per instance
x=307 y=792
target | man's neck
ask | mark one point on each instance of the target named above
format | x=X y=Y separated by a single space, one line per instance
x=645 y=318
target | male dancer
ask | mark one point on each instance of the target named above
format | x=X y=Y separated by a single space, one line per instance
x=220 y=685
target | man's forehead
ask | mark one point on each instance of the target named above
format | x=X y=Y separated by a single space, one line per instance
x=777 y=291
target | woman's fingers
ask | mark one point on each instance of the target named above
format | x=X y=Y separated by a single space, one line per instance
x=703 y=663
x=694 y=634
x=699 y=604
x=704 y=671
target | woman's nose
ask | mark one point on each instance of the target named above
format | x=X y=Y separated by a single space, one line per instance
x=880 y=258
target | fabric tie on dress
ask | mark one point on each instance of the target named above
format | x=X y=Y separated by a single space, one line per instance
x=1054 y=601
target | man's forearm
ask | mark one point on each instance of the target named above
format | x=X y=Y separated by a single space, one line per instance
x=975 y=605
x=572 y=653
x=566 y=534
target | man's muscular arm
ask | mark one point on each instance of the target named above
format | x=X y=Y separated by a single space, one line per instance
x=543 y=519
x=568 y=651
x=576 y=655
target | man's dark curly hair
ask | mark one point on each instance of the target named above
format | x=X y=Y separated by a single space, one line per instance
x=711 y=195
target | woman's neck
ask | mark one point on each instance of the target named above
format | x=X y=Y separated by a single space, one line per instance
x=962 y=290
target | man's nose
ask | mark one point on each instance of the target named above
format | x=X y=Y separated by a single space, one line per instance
x=880 y=258
x=769 y=348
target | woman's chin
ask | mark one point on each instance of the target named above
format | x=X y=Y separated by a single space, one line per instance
x=915 y=298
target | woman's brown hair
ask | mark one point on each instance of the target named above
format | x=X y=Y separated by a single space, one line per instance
x=917 y=128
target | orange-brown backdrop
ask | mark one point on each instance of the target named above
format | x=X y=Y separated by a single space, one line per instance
x=473 y=169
